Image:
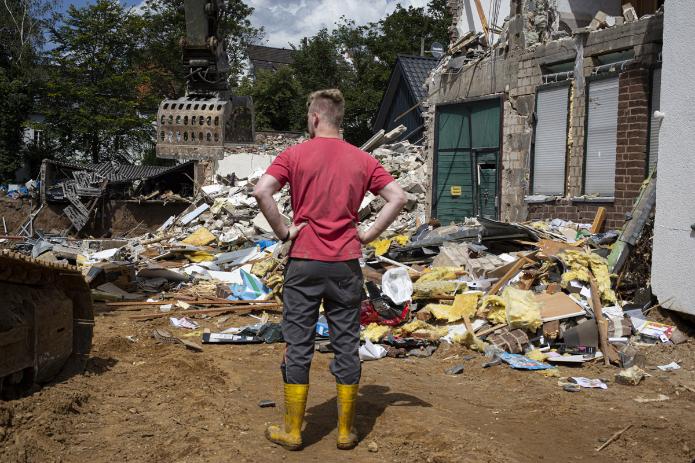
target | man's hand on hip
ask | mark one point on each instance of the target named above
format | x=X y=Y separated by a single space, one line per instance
x=294 y=230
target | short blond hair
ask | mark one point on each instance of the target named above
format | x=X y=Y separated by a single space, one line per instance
x=329 y=103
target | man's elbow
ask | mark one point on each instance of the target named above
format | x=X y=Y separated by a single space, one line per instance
x=401 y=199
x=259 y=192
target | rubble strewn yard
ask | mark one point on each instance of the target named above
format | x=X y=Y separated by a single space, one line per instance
x=144 y=401
x=531 y=301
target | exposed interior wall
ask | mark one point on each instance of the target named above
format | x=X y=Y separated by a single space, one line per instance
x=673 y=263
x=515 y=71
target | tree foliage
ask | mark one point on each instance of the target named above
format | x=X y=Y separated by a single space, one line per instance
x=22 y=23
x=165 y=26
x=356 y=59
x=98 y=97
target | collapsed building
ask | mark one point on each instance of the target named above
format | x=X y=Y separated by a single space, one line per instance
x=554 y=119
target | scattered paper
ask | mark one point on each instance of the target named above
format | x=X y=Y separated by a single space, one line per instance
x=554 y=357
x=183 y=322
x=370 y=351
x=669 y=367
x=657 y=330
x=589 y=383
x=165 y=308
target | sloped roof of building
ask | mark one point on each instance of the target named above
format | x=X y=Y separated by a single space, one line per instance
x=115 y=172
x=413 y=70
x=269 y=57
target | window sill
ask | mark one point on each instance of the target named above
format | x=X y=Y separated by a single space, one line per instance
x=593 y=199
x=540 y=199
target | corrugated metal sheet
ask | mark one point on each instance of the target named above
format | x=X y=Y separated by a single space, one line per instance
x=551 y=141
x=655 y=124
x=115 y=172
x=602 y=126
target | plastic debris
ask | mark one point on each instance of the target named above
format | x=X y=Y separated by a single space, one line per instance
x=396 y=284
x=369 y=351
x=673 y=366
x=520 y=362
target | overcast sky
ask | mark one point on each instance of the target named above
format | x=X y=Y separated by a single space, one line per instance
x=287 y=21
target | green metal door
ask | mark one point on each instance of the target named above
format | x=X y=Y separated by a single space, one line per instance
x=466 y=160
x=486 y=192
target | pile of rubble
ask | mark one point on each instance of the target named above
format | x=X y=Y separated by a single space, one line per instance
x=536 y=295
x=229 y=212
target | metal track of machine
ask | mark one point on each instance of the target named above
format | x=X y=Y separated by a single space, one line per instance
x=46 y=320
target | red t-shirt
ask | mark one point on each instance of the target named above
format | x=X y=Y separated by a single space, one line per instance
x=328 y=179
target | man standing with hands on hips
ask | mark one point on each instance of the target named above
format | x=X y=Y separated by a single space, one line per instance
x=328 y=179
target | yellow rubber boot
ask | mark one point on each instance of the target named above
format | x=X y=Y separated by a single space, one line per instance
x=347 y=405
x=295 y=404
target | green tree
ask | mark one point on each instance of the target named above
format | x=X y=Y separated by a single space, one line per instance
x=22 y=24
x=165 y=26
x=99 y=99
x=277 y=97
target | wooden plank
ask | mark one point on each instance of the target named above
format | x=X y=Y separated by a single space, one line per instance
x=509 y=275
x=610 y=355
x=240 y=309
x=489 y=330
x=188 y=301
x=599 y=219
x=553 y=248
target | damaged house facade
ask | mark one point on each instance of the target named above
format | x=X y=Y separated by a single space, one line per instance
x=555 y=119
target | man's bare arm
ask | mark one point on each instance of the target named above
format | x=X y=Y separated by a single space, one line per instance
x=266 y=187
x=395 y=200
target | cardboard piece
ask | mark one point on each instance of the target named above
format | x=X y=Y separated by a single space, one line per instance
x=553 y=248
x=558 y=306
x=584 y=334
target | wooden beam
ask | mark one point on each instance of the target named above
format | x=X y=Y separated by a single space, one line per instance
x=599 y=219
x=509 y=275
x=483 y=19
x=240 y=309
x=187 y=301
x=610 y=355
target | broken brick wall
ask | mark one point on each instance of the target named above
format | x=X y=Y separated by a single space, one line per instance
x=515 y=72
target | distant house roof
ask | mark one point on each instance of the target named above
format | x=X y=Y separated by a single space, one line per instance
x=409 y=72
x=415 y=70
x=269 y=57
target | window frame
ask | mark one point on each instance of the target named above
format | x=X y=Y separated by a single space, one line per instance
x=589 y=80
x=565 y=83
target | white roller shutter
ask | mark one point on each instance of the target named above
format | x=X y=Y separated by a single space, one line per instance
x=551 y=141
x=655 y=124
x=602 y=126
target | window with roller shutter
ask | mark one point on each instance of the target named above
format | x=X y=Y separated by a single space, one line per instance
x=601 y=135
x=550 y=142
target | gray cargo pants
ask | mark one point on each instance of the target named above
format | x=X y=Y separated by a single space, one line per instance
x=339 y=286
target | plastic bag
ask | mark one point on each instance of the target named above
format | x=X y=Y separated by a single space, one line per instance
x=396 y=284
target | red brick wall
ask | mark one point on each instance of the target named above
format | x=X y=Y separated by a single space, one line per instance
x=631 y=158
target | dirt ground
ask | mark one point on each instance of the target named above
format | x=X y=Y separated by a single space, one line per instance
x=140 y=401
